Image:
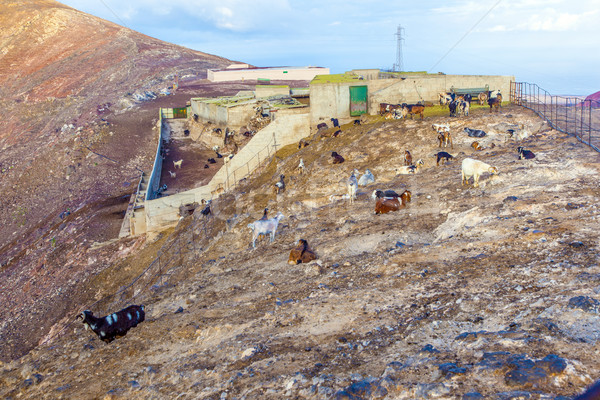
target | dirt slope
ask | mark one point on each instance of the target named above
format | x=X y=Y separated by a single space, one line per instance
x=63 y=75
x=486 y=292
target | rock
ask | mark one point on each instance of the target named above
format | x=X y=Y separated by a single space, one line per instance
x=585 y=303
x=510 y=198
x=451 y=369
x=516 y=395
x=472 y=396
x=428 y=348
x=369 y=388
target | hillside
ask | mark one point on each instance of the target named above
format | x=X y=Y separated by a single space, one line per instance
x=63 y=75
x=489 y=291
x=79 y=99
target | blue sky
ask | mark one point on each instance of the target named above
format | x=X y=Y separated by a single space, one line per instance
x=554 y=43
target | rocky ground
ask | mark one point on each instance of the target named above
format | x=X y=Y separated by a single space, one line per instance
x=488 y=292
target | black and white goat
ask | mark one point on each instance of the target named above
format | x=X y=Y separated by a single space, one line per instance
x=115 y=325
x=525 y=154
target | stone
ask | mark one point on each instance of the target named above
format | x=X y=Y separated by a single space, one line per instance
x=585 y=303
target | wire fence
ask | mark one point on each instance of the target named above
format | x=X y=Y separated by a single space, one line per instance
x=573 y=115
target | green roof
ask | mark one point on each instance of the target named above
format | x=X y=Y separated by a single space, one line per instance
x=335 y=78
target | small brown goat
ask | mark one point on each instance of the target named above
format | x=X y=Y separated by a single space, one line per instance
x=407 y=158
x=301 y=253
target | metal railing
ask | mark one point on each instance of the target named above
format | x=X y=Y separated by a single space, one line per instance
x=568 y=114
x=234 y=177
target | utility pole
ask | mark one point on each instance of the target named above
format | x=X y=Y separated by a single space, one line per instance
x=399 y=65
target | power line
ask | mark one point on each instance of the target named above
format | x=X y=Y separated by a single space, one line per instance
x=399 y=66
x=114 y=13
x=465 y=35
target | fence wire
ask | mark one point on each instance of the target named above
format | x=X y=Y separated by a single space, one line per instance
x=573 y=115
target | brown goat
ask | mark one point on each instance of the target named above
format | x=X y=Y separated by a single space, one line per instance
x=444 y=139
x=477 y=146
x=301 y=253
x=407 y=158
x=385 y=205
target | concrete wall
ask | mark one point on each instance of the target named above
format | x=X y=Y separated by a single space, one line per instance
x=290 y=127
x=209 y=111
x=283 y=73
x=329 y=100
x=271 y=90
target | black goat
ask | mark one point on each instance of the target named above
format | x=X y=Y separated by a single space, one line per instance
x=527 y=154
x=337 y=159
x=335 y=122
x=442 y=155
x=114 y=325
x=212 y=160
x=356 y=122
x=322 y=125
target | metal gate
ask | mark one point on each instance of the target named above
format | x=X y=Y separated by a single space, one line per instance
x=358 y=100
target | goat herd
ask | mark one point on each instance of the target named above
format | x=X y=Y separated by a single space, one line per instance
x=117 y=324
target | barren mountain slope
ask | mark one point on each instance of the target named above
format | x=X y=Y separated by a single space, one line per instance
x=490 y=291
x=63 y=74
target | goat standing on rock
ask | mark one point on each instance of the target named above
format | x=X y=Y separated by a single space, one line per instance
x=279 y=187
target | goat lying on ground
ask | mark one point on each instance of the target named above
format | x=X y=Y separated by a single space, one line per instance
x=337 y=159
x=474 y=168
x=475 y=132
x=442 y=155
x=262 y=227
x=410 y=169
x=366 y=179
x=279 y=186
x=383 y=205
x=356 y=122
x=525 y=154
x=301 y=253
x=114 y=325
x=212 y=160
x=302 y=143
x=177 y=164
x=441 y=128
x=476 y=146
x=379 y=194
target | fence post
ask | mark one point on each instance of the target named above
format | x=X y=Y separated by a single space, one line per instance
x=590 y=124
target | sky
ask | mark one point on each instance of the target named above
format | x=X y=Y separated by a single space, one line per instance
x=552 y=43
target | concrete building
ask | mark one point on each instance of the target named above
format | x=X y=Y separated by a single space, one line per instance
x=241 y=72
x=348 y=95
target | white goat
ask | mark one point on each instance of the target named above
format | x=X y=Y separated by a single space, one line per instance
x=410 y=169
x=262 y=227
x=177 y=164
x=301 y=167
x=474 y=168
x=352 y=185
x=173 y=174
x=366 y=179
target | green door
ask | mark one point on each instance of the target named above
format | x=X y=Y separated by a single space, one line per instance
x=180 y=112
x=358 y=100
